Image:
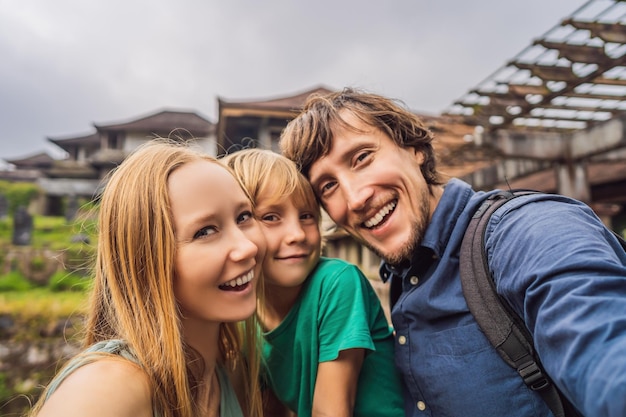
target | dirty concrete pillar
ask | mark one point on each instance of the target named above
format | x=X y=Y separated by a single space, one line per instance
x=572 y=180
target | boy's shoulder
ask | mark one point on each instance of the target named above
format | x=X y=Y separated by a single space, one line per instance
x=336 y=267
x=326 y=262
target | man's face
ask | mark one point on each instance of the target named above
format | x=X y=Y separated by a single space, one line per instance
x=374 y=189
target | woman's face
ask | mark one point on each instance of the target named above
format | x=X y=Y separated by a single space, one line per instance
x=220 y=246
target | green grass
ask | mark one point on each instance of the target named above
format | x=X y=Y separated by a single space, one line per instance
x=56 y=232
x=42 y=302
x=38 y=312
x=53 y=232
x=66 y=292
x=66 y=281
x=14 y=281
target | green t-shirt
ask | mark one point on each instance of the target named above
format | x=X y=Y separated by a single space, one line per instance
x=336 y=310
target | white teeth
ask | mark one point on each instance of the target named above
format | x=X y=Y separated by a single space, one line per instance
x=240 y=280
x=374 y=221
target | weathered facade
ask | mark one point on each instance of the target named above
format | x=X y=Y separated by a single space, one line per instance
x=90 y=157
x=557 y=113
x=257 y=123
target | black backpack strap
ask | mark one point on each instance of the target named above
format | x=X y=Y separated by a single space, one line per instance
x=504 y=329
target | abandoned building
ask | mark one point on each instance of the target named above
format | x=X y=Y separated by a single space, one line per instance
x=553 y=119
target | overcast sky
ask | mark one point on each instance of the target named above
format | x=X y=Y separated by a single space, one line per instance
x=66 y=64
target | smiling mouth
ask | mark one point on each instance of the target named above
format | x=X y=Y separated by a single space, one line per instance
x=239 y=283
x=380 y=217
x=299 y=256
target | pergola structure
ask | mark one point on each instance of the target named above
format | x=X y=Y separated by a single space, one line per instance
x=572 y=77
x=557 y=111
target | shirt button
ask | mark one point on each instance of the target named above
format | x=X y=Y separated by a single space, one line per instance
x=421 y=405
x=402 y=340
x=414 y=280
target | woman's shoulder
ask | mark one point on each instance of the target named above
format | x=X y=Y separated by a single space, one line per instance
x=108 y=386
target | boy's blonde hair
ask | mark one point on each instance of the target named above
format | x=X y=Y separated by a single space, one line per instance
x=271 y=176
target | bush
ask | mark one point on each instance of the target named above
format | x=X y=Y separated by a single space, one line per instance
x=19 y=193
x=6 y=226
x=79 y=259
x=38 y=263
x=5 y=390
x=65 y=281
x=14 y=281
x=51 y=231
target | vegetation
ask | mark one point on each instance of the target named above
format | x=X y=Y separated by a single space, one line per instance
x=18 y=193
x=43 y=296
x=43 y=302
x=31 y=282
x=41 y=318
x=55 y=232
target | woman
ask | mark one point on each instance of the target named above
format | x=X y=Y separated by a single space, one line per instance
x=178 y=257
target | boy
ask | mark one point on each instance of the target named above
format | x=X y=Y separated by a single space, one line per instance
x=328 y=347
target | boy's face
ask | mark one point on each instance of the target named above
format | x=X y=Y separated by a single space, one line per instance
x=293 y=242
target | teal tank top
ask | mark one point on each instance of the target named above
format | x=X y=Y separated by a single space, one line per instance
x=229 y=404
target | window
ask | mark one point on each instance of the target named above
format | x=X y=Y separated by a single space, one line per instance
x=114 y=140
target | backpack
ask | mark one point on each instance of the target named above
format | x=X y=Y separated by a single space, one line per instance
x=504 y=329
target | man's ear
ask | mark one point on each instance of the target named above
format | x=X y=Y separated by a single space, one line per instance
x=418 y=155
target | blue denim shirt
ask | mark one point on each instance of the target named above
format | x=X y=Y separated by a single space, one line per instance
x=557 y=266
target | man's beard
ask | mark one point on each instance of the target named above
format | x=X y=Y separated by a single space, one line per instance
x=405 y=254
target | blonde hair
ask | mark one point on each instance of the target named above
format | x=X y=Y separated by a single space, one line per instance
x=134 y=275
x=267 y=174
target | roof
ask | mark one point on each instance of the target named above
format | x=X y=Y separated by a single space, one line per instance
x=572 y=77
x=164 y=121
x=20 y=175
x=456 y=148
x=39 y=160
x=291 y=103
x=92 y=139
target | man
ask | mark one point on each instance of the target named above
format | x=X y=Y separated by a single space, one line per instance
x=372 y=166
